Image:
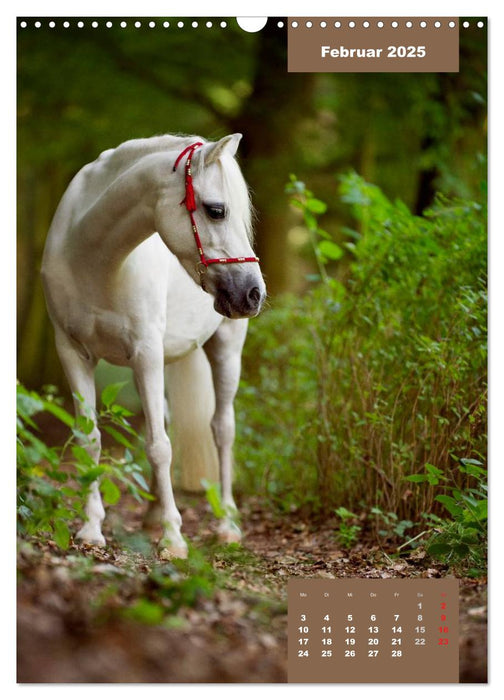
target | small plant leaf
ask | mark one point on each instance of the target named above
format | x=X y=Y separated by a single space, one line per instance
x=59 y=412
x=84 y=424
x=82 y=456
x=118 y=437
x=450 y=504
x=316 y=206
x=110 y=393
x=146 y=612
x=416 y=478
x=330 y=250
x=344 y=514
x=139 y=478
x=110 y=491
x=61 y=534
x=439 y=549
x=213 y=496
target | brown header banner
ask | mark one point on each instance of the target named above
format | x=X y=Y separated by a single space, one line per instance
x=373 y=45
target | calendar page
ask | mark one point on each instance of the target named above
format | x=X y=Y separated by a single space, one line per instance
x=252 y=347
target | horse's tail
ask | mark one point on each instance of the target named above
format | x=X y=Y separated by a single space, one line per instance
x=191 y=404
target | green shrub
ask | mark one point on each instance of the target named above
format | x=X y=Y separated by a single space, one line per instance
x=348 y=530
x=53 y=482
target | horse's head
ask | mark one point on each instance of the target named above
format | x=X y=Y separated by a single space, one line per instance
x=212 y=238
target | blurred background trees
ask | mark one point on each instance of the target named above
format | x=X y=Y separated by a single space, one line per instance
x=82 y=90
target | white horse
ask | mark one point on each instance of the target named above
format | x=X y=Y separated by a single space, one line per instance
x=136 y=270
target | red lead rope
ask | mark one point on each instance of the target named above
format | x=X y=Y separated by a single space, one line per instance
x=190 y=204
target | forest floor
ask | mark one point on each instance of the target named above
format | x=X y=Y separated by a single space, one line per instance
x=115 y=614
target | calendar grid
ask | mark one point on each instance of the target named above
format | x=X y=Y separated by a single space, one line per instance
x=368 y=630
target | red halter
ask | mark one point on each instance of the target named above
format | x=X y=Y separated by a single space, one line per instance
x=190 y=205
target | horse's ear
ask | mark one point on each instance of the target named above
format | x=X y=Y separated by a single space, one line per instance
x=228 y=144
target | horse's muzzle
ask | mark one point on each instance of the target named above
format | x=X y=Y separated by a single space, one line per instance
x=240 y=300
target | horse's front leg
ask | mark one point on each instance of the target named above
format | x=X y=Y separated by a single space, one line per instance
x=149 y=376
x=224 y=354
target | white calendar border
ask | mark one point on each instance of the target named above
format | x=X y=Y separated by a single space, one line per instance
x=152 y=8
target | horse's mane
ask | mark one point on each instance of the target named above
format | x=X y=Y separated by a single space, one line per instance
x=234 y=185
x=116 y=161
x=128 y=153
x=239 y=192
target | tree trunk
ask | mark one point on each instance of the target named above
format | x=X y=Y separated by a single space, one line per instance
x=270 y=122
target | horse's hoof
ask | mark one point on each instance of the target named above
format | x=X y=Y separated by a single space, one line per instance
x=168 y=550
x=229 y=533
x=89 y=535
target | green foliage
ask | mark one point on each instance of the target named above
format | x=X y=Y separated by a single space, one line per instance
x=172 y=586
x=213 y=496
x=461 y=537
x=275 y=448
x=324 y=248
x=388 y=525
x=348 y=532
x=219 y=510
x=379 y=370
x=53 y=481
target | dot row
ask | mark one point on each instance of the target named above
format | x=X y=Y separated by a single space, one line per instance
x=123 y=24
x=366 y=24
x=223 y=24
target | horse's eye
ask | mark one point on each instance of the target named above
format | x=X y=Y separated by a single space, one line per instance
x=215 y=211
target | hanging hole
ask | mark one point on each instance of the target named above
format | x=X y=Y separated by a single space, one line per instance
x=252 y=24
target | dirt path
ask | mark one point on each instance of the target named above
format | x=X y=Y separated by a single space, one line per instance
x=221 y=619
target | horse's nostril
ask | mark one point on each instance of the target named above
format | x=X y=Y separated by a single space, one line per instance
x=254 y=295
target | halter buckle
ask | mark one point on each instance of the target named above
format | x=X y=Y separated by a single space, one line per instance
x=201 y=268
